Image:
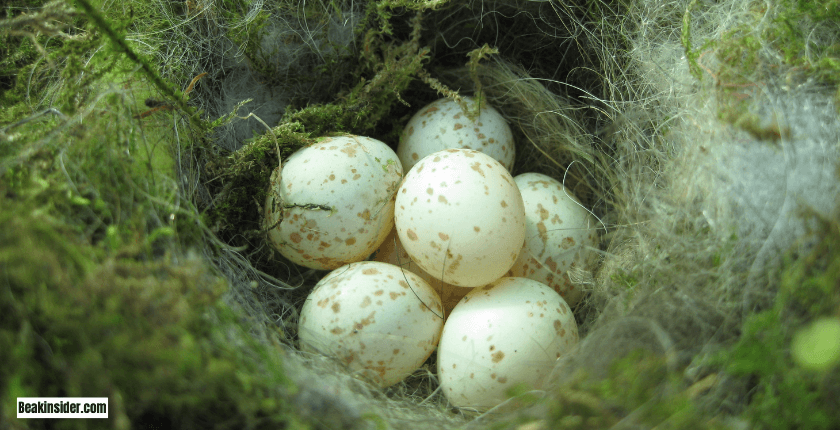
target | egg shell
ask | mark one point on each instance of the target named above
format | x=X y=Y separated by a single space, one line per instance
x=561 y=235
x=507 y=333
x=443 y=125
x=373 y=317
x=332 y=203
x=460 y=217
x=391 y=251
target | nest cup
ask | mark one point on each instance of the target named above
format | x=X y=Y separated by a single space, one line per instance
x=614 y=121
x=550 y=138
x=704 y=137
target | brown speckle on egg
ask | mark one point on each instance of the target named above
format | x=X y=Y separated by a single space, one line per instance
x=567 y=243
x=477 y=167
x=349 y=150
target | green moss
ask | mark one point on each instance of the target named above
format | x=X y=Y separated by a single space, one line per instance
x=626 y=280
x=796 y=38
x=241 y=180
x=810 y=284
x=18 y=49
x=787 y=395
x=250 y=39
x=139 y=333
x=92 y=302
x=638 y=389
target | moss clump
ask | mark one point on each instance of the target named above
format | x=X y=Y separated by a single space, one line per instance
x=797 y=39
x=638 y=389
x=98 y=294
x=785 y=394
x=241 y=181
x=153 y=337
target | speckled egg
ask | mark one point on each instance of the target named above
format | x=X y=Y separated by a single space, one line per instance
x=391 y=251
x=332 y=203
x=443 y=124
x=499 y=336
x=460 y=217
x=561 y=235
x=373 y=317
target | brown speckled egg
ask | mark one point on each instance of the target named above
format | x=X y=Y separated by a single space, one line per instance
x=561 y=234
x=443 y=124
x=460 y=217
x=502 y=335
x=332 y=203
x=373 y=317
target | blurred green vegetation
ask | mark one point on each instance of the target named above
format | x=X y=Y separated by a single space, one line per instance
x=787 y=395
x=102 y=290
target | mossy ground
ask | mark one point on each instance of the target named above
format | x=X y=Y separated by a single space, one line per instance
x=105 y=284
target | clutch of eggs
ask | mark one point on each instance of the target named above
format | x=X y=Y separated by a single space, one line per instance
x=458 y=220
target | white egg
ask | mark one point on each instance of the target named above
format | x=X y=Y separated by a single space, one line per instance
x=561 y=235
x=391 y=251
x=502 y=335
x=443 y=124
x=373 y=317
x=460 y=217
x=332 y=203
